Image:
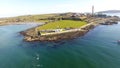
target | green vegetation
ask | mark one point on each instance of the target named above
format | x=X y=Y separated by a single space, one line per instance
x=30 y=18
x=36 y=18
x=42 y=18
x=62 y=24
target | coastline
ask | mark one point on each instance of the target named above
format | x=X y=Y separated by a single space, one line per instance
x=22 y=23
x=30 y=36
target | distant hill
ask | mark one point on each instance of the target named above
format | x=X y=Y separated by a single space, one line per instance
x=110 y=11
x=41 y=17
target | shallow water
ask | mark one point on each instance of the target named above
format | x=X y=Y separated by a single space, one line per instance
x=97 y=49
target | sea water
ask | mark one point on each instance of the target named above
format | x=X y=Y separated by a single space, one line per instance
x=97 y=49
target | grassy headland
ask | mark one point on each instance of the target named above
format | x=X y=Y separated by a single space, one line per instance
x=28 y=18
x=42 y=18
x=62 y=24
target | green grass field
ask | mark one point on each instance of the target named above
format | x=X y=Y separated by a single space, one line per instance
x=62 y=24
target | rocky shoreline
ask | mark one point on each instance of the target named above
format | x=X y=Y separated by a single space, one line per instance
x=30 y=34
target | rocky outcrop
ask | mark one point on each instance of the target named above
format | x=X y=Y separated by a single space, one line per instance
x=109 y=23
x=107 y=20
x=56 y=37
x=30 y=35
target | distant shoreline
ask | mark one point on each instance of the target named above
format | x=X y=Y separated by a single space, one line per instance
x=21 y=23
x=110 y=11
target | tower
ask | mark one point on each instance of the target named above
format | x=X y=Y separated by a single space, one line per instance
x=92 y=10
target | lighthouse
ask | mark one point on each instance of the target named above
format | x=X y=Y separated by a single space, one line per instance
x=92 y=10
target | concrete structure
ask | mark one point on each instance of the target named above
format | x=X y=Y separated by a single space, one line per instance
x=92 y=10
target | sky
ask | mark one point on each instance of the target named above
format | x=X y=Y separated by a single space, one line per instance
x=10 y=8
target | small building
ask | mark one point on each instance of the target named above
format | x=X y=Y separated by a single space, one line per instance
x=51 y=30
x=58 y=30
